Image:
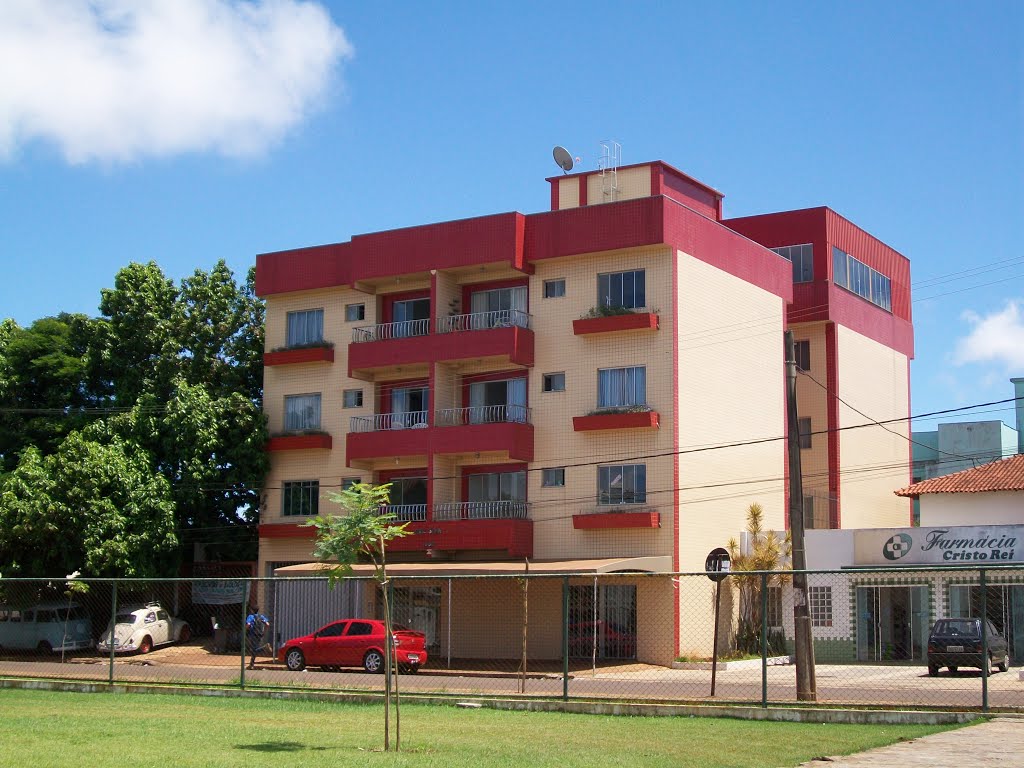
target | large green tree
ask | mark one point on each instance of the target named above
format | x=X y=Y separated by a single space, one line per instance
x=94 y=507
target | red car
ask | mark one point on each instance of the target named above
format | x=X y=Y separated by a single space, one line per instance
x=353 y=643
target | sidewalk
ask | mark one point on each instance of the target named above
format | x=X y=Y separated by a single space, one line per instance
x=999 y=742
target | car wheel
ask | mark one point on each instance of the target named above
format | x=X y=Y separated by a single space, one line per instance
x=933 y=671
x=413 y=668
x=952 y=670
x=1004 y=665
x=986 y=666
x=44 y=648
x=146 y=645
x=295 y=660
x=185 y=635
x=373 y=661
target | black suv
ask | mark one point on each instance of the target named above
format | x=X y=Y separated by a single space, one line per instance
x=957 y=643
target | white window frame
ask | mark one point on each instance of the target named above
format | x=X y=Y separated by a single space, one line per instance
x=355 y=309
x=304 y=327
x=308 y=488
x=802 y=258
x=606 y=476
x=291 y=405
x=626 y=294
x=622 y=387
x=352 y=398
x=819 y=601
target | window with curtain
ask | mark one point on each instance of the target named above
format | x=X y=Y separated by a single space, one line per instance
x=622 y=289
x=621 y=387
x=409 y=406
x=302 y=412
x=622 y=484
x=497 y=305
x=492 y=401
x=305 y=327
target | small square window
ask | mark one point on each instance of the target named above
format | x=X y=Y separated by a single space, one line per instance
x=554 y=382
x=348 y=482
x=804 y=429
x=355 y=312
x=554 y=289
x=352 y=398
x=553 y=478
x=803 y=355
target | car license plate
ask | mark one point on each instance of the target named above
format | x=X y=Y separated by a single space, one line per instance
x=955 y=648
x=414 y=657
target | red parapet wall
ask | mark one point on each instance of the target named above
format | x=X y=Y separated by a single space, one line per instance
x=643 y=420
x=304 y=355
x=286 y=531
x=511 y=537
x=299 y=442
x=635 y=321
x=607 y=520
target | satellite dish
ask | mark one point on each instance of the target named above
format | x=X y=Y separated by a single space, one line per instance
x=563 y=158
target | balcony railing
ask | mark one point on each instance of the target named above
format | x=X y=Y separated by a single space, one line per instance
x=482 y=321
x=384 y=331
x=383 y=421
x=482 y=510
x=406 y=513
x=483 y=414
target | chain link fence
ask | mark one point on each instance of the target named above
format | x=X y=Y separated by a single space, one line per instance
x=881 y=638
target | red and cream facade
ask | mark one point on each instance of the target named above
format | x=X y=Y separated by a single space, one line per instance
x=484 y=365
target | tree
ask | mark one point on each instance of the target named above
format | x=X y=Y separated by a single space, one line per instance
x=92 y=506
x=765 y=551
x=362 y=534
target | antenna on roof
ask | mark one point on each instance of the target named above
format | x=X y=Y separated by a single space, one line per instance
x=563 y=159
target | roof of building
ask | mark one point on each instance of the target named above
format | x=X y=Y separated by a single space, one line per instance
x=1004 y=475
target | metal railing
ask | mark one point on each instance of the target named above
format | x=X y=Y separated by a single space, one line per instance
x=406 y=513
x=483 y=414
x=482 y=321
x=384 y=331
x=379 y=422
x=482 y=510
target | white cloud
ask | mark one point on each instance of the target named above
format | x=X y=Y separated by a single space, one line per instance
x=996 y=338
x=116 y=80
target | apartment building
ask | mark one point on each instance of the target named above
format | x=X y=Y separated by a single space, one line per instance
x=598 y=388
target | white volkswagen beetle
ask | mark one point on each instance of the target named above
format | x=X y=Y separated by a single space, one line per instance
x=143 y=628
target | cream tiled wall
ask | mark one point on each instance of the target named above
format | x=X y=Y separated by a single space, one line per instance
x=874 y=462
x=557 y=350
x=631 y=183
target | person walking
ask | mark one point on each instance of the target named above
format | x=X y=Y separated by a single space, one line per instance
x=255 y=628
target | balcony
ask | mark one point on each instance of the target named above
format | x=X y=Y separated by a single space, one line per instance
x=503 y=430
x=300 y=441
x=609 y=517
x=502 y=339
x=629 y=321
x=312 y=354
x=377 y=350
x=482 y=510
x=616 y=419
x=387 y=435
x=406 y=513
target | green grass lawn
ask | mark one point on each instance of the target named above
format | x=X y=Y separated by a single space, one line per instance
x=83 y=730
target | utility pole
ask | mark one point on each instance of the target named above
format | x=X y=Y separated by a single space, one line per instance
x=806 y=686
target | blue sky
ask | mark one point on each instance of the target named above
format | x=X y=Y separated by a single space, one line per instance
x=208 y=129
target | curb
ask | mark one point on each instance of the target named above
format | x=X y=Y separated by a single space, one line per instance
x=778 y=714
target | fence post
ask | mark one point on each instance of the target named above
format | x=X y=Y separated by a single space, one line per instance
x=986 y=667
x=565 y=638
x=113 y=626
x=764 y=639
x=241 y=643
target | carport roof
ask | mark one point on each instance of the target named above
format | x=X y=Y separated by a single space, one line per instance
x=657 y=564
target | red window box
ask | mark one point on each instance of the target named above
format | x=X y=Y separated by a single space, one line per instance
x=599 y=521
x=299 y=442
x=300 y=355
x=634 y=321
x=642 y=420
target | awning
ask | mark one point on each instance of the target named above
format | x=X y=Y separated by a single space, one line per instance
x=659 y=564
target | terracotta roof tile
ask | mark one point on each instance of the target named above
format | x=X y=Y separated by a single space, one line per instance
x=1003 y=475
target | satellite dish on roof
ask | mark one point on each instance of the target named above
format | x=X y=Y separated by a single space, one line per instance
x=563 y=158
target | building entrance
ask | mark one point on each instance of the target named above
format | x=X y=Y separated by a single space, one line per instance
x=892 y=623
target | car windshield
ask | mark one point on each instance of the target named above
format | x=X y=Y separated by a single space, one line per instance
x=126 y=618
x=956 y=627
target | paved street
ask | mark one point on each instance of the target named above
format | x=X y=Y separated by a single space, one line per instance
x=999 y=742
x=861 y=685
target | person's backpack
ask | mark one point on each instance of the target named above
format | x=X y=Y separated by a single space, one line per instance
x=259 y=626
